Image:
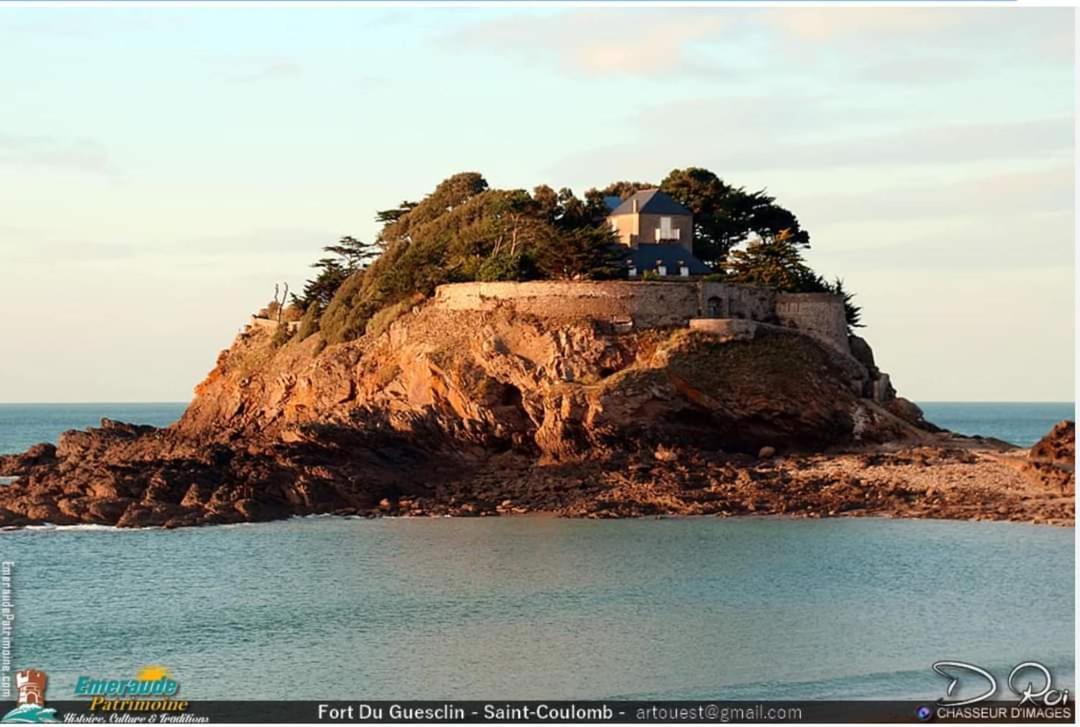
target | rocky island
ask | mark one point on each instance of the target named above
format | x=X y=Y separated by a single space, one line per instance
x=656 y=391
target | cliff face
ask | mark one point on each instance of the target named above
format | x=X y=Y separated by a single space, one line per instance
x=558 y=388
x=465 y=412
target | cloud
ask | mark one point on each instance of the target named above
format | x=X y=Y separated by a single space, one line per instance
x=1042 y=191
x=640 y=43
x=748 y=137
x=886 y=44
x=49 y=152
x=825 y=24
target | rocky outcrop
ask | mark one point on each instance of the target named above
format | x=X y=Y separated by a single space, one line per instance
x=1052 y=461
x=472 y=412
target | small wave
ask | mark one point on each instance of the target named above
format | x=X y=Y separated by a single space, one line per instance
x=48 y=527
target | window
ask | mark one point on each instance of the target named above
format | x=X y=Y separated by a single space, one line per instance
x=667 y=231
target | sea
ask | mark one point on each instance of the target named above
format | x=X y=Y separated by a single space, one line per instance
x=538 y=607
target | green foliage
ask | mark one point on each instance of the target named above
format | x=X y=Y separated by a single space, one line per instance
x=774 y=263
x=350 y=255
x=466 y=231
x=584 y=253
x=852 y=312
x=309 y=323
x=625 y=189
x=519 y=266
x=727 y=216
x=380 y=322
x=778 y=263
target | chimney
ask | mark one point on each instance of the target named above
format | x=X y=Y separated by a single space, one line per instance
x=633 y=205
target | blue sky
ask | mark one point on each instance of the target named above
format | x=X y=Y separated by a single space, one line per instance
x=162 y=168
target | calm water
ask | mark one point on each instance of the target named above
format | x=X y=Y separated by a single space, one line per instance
x=542 y=607
x=22 y=425
x=1017 y=422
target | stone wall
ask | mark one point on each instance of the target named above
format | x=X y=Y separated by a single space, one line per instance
x=270 y=324
x=722 y=300
x=820 y=315
x=649 y=304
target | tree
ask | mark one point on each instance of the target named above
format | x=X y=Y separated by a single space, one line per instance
x=395 y=213
x=774 y=263
x=356 y=254
x=351 y=255
x=584 y=253
x=852 y=312
x=726 y=216
x=320 y=290
x=624 y=189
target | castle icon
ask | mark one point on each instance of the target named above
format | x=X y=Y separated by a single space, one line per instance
x=31 y=685
x=31 y=708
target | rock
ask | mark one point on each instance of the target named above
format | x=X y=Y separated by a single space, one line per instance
x=862 y=353
x=1052 y=461
x=19 y=464
x=909 y=412
x=476 y=413
x=665 y=454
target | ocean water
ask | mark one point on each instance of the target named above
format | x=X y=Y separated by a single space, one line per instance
x=22 y=425
x=542 y=608
x=539 y=607
x=1021 y=423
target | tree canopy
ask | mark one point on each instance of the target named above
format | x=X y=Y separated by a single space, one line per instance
x=726 y=216
x=465 y=230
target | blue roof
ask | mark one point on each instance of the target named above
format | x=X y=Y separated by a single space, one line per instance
x=612 y=201
x=647 y=257
x=651 y=201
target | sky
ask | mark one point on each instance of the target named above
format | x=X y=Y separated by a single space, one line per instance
x=162 y=168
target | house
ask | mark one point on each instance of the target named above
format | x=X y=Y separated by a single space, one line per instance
x=659 y=232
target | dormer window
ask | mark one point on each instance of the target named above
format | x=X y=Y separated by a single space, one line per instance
x=667 y=229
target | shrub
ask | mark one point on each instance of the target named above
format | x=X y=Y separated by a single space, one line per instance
x=281 y=335
x=309 y=323
x=380 y=322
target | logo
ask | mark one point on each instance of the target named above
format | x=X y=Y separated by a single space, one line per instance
x=152 y=690
x=1040 y=693
x=31 y=708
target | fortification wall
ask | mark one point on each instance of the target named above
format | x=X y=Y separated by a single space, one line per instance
x=649 y=304
x=652 y=304
x=722 y=300
x=820 y=315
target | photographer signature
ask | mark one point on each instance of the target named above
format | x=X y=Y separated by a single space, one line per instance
x=1028 y=695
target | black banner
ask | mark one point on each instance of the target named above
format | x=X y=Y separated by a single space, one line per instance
x=173 y=711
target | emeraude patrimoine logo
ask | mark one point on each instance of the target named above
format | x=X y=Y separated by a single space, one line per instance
x=152 y=689
x=31 y=708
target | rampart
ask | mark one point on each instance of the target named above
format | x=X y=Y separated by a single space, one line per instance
x=820 y=315
x=653 y=304
x=649 y=304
